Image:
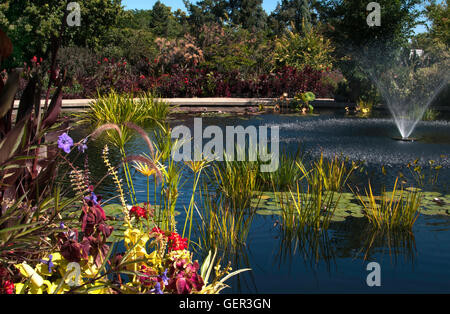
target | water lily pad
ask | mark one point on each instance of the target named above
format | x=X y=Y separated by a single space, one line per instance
x=413 y=189
x=265 y=212
x=431 y=194
x=338 y=218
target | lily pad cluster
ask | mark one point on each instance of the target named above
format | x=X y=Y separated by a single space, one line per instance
x=267 y=203
x=348 y=205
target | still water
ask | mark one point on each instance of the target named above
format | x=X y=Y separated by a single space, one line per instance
x=334 y=262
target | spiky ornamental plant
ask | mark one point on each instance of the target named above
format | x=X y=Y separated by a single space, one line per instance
x=30 y=201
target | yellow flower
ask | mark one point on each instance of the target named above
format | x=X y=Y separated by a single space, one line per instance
x=135 y=240
x=197 y=165
x=28 y=272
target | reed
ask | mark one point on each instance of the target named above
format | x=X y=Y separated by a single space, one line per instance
x=285 y=177
x=398 y=209
x=220 y=226
x=313 y=201
x=237 y=181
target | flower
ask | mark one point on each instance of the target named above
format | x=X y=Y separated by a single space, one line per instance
x=157 y=289
x=164 y=278
x=176 y=242
x=8 y=287
x=139 y=212
x=34 y=59
x=142 y=77
x=93 y=198
x=49 y=263
x=65 y=142
x=82 y=147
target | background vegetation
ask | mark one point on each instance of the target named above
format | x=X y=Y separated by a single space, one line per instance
x=224 y=47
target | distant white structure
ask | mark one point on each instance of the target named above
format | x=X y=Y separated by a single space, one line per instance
x=416 y=52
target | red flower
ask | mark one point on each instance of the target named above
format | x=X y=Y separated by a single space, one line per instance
x=176 y=242
x=105 y=60
x=139 y=212
x=34 y=59
x=8 y=287
x=142 y=77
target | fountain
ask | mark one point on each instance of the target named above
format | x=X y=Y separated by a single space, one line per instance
x=408 y=83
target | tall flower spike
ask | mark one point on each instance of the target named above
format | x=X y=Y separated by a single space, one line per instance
x=116 y=179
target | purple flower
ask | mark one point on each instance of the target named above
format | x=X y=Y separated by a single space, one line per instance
x=82 y=148
x=157 y=289
x=92 y=198
x=49 y=263
x=164 y=278
x=65 y=142
x=62 y=225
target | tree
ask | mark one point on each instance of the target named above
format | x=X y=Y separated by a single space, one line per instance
x=248 y=13
x=288 y=12
x=206 y=12
x=162 y=22
x=351 y=34
x=33 y=25
x=308 y=48
x=439 y=16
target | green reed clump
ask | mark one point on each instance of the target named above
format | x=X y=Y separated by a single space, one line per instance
x=285 y=177
x=237 y=181
x=398 y=209
x=220 y=225
x=311 y=205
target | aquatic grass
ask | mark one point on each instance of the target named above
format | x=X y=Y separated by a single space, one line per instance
x=220 y=226
x=285 y=176
x=398 y=209
x=237 y=181
x=316 y=196
x=333 y=172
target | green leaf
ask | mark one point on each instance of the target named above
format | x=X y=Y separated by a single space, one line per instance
x=12 y=141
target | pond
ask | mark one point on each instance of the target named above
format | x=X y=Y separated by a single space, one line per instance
x=334 y=261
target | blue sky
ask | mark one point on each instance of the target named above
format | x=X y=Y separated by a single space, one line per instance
x=268 y=5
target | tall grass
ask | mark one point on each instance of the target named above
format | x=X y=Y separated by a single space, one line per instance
x=311 y=205
x=237 y=181
x=119 y=109
x=396 y=210
x=285 y=177
x=220 y=225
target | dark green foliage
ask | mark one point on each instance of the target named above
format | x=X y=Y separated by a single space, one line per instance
x=291 y=11
x=398 y=19
x=31 y=24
